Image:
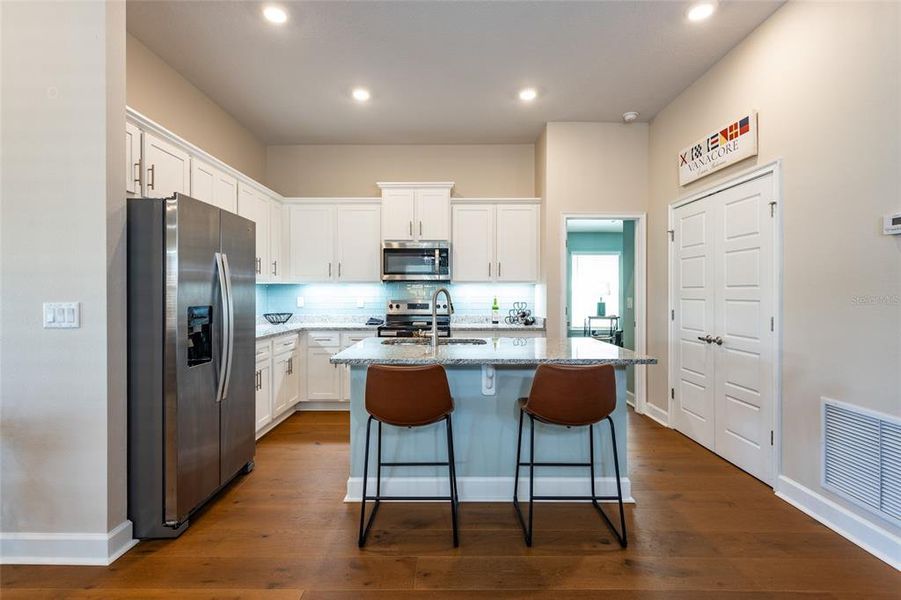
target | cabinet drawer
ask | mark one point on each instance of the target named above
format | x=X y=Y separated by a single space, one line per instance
x=324 y=339
x=263 y=350
x=352 y=337
x=285 y=343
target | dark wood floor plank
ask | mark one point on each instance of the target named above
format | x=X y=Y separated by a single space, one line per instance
x=700 y=529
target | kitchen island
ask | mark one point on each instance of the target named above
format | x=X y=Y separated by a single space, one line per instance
x=486 y=377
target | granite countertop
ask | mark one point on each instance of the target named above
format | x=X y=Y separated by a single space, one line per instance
x=464 y=323
x=496 y=351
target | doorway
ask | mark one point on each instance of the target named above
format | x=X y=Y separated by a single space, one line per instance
x=603 y=295
x=724 y=303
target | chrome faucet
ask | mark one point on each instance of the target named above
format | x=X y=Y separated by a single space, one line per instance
x=450 y=311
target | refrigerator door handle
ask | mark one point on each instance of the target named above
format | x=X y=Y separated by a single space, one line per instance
x=226 y=334
x=231 y=325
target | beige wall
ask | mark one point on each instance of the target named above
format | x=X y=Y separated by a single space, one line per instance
x=825 y=80
x=156 y=90
x=62 y=391
x=590 y=168
x=503 y=170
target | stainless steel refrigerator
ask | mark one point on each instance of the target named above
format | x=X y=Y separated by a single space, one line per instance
x=191 y=339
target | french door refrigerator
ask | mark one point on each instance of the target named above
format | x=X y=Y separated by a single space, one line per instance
x=191 y=341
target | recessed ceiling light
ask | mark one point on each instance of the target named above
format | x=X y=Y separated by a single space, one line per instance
x=275 y=14
x=701 y=11
x=360 y=94
x=528 y=94
x=630 y=116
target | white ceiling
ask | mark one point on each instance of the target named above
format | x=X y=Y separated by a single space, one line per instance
x=439 y=72
x=593 y=226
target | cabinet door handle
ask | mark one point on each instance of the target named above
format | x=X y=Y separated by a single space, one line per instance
x=420 y=228
x=339 y=268
x=489 y=269
x=151 y=170
x=137 y=172
x=330 y=269
x=411 y=228
x=498 y=268
x=259 y=265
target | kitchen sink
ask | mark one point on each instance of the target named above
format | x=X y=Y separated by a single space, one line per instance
x=428 y=341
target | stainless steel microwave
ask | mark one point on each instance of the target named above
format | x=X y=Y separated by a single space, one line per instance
x=416 y=261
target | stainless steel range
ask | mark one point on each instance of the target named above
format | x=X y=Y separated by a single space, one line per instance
x=413 y=318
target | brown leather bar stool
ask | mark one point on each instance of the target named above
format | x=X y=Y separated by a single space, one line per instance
x=407 y=397
x=571 y=396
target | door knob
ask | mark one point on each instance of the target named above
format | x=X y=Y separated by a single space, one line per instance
x=718 y=341
x=706 y=338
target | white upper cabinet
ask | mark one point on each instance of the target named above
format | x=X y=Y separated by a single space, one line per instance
x=335 y=242
x=253 y=205
x=212 y=186
x=416 y=211
x=359 y=244
x=397 y=214
x=473 y=242
x=517 y=227
x=167 y=168
x=311 y=238
x=132 y=159
x=278 y=253
x=432 y=213
x=496 y=241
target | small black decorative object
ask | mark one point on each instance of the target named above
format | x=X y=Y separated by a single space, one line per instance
x=519 y=315
x=278 y=318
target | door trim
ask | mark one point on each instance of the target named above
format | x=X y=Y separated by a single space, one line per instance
x=773 y=168
x=640 y=218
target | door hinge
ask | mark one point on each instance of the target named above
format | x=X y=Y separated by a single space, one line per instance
x=772 y=323
x=672 y=314
x=672 y=393
x=672 y=234
x=772 y=437
x=772 y=209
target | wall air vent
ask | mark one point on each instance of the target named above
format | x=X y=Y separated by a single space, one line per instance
x=862 y=457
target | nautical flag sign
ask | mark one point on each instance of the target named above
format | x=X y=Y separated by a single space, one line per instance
x=721 y=148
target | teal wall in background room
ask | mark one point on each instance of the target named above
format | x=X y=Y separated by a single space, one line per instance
x=623 y=244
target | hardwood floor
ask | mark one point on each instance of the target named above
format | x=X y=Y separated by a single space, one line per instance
x=701 y=528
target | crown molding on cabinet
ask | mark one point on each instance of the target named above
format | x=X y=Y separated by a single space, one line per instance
x=495 y=200
x=145 y=123
x=415 y=184
x=332 y=200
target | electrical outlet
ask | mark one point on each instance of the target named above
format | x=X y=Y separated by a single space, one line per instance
x=361 y=302
x=629 y=302
x=62 y=315
x=300 y=302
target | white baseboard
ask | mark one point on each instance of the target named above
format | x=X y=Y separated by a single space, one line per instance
x=630 y=398
x=655 y=412
x=66 y=548
x=876 y=540
x=323 y=405
x=487 y=489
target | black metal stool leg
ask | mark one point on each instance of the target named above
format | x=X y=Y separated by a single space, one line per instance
x=531 y=478
x=362 y=538
x=452 y=478
x=623 y=541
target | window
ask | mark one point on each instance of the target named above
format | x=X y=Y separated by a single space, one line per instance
x=594 y=276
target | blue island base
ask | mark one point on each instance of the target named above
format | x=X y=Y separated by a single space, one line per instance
x=485 y=428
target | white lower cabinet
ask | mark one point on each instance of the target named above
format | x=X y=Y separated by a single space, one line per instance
x=323 y=378
x=348 y=340
x=279 y=375
x=262 y=379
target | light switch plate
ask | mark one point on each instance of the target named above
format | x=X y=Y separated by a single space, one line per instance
x=300 y=302
x=62 y=315
x=361 y=302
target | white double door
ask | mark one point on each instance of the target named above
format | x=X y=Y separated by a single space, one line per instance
x=724 y=290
